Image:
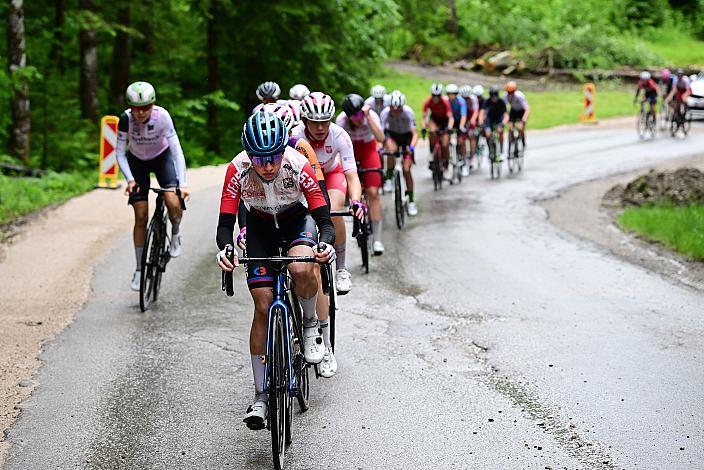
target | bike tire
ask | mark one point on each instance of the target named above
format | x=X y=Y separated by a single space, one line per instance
x=520 y=152
x=687 y=122
x=398 y=201
x=641 y=125
x=300 y=368
x=278 y=392
x=332 y=305
x=150 y=256
x=161 y=267
x=364 y=243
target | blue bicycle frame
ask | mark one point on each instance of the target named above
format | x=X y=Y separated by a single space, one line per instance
x=281 y=307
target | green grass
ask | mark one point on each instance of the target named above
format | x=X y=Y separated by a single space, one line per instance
x=548 y=108
x=676 y=46
x=680 y=228
x=20 y=196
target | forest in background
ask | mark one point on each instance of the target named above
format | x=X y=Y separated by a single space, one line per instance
x=76 y=57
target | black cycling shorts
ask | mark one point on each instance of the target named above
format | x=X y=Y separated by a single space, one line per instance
x=442 y=123
x=264 y=240
x=516 y=114
x=162 y=166
x=401 y=139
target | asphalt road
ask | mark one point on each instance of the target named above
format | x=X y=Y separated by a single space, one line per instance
x=483 y=338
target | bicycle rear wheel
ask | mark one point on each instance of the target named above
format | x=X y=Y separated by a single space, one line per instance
x=150 y=264
x=364 y=232
x=642 y=124
x=332 y=304
x=300 y=368
x=398 y=201
x=520 y=150
x=278 y=391
x=687 y=122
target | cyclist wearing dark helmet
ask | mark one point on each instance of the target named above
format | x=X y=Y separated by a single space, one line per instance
x=493 y=116
x=364 y=127
x=285 y=205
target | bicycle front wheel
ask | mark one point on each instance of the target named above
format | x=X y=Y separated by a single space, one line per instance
x=150 y=265
x=398 y=201
x=364 y=243
x=278 y=391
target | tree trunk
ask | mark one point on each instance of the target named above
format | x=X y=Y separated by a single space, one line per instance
x=451 y=24
x=213 y=75
x=90 y=107
x=121 y=59
x=57 y=48
x=21 y=123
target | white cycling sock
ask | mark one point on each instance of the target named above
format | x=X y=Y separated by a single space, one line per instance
x=325 y=329
x=308 y=306
x=138 y=250
x=376 y=230
x=341 y=252
x=258 y=372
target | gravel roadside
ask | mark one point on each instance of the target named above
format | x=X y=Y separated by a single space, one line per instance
x=45 y=272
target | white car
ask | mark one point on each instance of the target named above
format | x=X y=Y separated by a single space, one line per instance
x=696 y=100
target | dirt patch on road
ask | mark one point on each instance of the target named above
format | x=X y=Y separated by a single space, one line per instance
x=45 y=273
x=580 y=210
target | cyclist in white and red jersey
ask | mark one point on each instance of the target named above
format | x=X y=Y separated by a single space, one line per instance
x=518 y=109
x=330 y=141
x=399 y=124
x=147 y=143
x=472 y=118
x=286 y=206
x=378 y=100
x=437 y=116
x=364 y=128
x=651 y=91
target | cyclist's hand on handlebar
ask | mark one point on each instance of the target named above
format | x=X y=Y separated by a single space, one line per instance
x=131 y=187
x=324 y=253
x=185 y=193
x=242 y=239
x=224 y=263
x=358 y=209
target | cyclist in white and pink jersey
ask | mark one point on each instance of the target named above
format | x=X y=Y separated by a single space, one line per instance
x=147 y=143
x=330 y=141
x=364 y=127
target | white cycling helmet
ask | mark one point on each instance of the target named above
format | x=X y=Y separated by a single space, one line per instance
x=295 y=106
x=478 y=90
x=465 y=91
x=140 y=94
x=645 y=75
x=378 y=91
x=436 y=89
x=318 y=107
x=451 y=88
x=282 y=111
x=398 y=99
x=268 y=90
x=298 y=91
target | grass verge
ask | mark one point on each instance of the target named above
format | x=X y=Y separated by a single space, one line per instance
x=548 y=108
x=676 y=46
x=20 y=196
x=680 y=228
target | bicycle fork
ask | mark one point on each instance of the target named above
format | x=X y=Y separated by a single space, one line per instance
x=279 y=308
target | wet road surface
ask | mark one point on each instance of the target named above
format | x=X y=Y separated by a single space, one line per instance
x=483 y=338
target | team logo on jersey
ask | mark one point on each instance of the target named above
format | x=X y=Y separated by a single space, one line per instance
x=288 y=182
x=328 y=148
x=307 y=234
x=260 y=271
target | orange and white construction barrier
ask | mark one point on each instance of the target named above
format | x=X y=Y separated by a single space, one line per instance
x=107 y=176
x=589 y=112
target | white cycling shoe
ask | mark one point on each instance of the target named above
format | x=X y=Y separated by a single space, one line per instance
x=412 y=209
x=465 y=170
x=343 y=281
x=378 y=248
x=255 y=418
x=175 y=246
x=136 y=281
x=328 y=366
x=313 y=347
x=388 y=186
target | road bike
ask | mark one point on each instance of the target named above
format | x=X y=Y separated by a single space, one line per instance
x=400 y=192
x=437 y=163
x=665 y=115
x=457 y=160
x=155 y=255
x=681 y=119
x=286 y=371
x=646 y=123
x=361 y=231
x=494 y=148
x=481 y=148
x=515 y=149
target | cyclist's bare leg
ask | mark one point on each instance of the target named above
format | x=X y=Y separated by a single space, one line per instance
x=322 y=304
x=303 y=274
x=445 y=143
x=173 y=206
x=462 y=145
x=375 y=209
x=432 y=128
x=472 y=145
x=500 y=130
x=522 y=129
x=262 y=297
x=139 y=232
x=407 y=164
